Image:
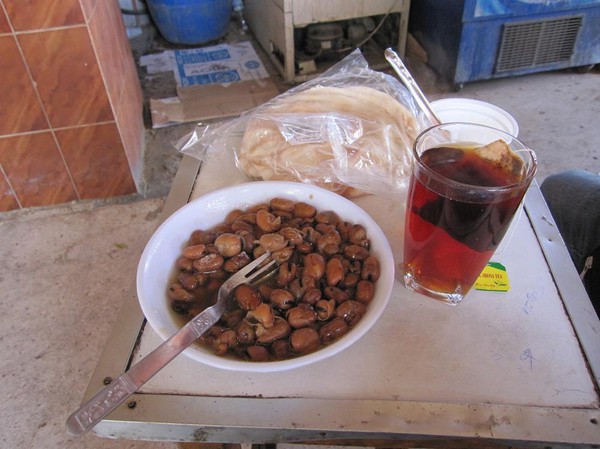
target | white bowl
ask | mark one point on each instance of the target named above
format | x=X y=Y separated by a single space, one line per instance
x=156 y=266
x=475 y=111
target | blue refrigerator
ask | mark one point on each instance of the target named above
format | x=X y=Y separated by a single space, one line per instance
x=472 y=40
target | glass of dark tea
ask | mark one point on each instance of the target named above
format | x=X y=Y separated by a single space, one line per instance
x=467 y=183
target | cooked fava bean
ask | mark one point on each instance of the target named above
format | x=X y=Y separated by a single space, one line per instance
x=334 y=272
x=245 y=333
x=281 y=299
x=293 y=235
x=248 y=241
x=302 y=315
x=267 y=222
x=247 y=297
x=185 y=264
x=236 y=262
x=333 y=330
x=304 y=247
x=365 y=290
x=228 y=245
x=265 y=291
x=258 y=353
x=304 y=210
x=263 y=316
x=199 y=236
x=272 y=242
x=343 y=228
x=283 y=255
x=324 y=228
x=314 y=266
x=282 y=204
x=222 y=229
x=351 y=311
x=194 y=251
x=209 y=263
x=328 y=217
x=176 y=291
x=357 y=233
x=280 y=329
x=283 y=214
x=330 y=249
x=311 y=235
x=308 y=282
x=241 y=226
x=311 y=295
x=296 y=289
x=336 y=294
x=325 y=281
x=280 y=349
x=371 y=269
x=287 y=273
x=257 y=207
x=351 y=280
x=248 y=218
x=356 y=252
x=325 y=309
x=188 y=281
x=330 y=238
x=224 y=342
x=233 y=215
x=305 y=340
x=211 y=248
x=258 y=251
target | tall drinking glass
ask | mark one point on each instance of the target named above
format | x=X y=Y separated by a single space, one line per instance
x=467 y=183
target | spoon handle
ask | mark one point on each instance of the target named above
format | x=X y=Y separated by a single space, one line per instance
x=117 y=392
x=412 y=86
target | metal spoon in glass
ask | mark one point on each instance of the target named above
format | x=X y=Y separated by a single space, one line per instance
x=412 y=86
x=117 y=392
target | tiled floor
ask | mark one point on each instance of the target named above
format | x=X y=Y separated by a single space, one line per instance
x=64 y=270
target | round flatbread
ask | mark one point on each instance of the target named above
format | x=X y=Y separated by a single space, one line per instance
x=329 y=136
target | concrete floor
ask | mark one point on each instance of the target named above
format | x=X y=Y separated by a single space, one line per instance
x=64 y=270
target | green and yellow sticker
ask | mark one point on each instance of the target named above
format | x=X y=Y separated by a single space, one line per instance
x=493 y=278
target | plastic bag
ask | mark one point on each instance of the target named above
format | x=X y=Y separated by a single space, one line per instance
x=350 y=130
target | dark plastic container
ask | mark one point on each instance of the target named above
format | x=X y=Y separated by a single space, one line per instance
x=191 y=21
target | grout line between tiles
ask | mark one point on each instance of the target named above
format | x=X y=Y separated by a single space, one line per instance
x=12 y=190
x=62 y=128
x=42 y=30
x=39 y=98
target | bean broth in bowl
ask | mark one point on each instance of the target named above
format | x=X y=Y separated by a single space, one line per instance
x=326 y=280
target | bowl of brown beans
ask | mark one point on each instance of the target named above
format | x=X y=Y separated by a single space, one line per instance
x=334 y=279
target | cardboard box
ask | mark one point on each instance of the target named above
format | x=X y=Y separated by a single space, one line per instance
x=203 y=102
x=212 y=82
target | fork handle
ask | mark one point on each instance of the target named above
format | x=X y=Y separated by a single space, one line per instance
x=117 y=392
x=411 y=85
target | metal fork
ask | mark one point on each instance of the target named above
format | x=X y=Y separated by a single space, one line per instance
x=117 y=392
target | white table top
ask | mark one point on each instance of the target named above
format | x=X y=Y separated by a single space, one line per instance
x=520 y=368
x=513 y=348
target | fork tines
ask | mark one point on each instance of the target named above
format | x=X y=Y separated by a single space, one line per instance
x=254 y=272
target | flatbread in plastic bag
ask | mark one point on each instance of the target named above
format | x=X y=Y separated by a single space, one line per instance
x=349 y=130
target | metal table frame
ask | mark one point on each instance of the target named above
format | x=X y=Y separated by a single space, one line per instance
x=382 y=423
